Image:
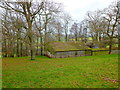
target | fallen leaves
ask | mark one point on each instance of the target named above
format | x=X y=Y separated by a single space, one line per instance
x=110 y=80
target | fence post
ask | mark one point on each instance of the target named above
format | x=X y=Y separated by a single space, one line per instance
x=85 y=52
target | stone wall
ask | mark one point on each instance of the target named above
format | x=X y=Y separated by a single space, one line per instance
x=115 y=51
x=69 y=53
x=64 y=54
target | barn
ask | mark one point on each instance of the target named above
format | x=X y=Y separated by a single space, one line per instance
x=67 y=49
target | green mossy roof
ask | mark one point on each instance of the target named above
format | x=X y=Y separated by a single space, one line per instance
x=67 y=46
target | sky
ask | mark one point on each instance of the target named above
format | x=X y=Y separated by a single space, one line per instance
x=78 y=8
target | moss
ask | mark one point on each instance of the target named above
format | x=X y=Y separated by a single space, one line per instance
x=99 y=49
x=113 y=48
x=50 y=49
x=68 y=46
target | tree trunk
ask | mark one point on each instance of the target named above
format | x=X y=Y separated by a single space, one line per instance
x=37 y=51
x=45 y=37
x=29 y=20
x=30 y=35
x=26 y=51
x=110 y=49
x=31 y=49
x=21 y=49
x=5 y=52
x=31 y=46
x=110 y=46
x=11 y=49
x=18 y=49
x=41 y=47
x=66 y=37
x=100 y=37
x=59 y=39
x=76 y=37
x=32 y=55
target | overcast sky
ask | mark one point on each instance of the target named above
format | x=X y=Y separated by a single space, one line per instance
x=78 y=8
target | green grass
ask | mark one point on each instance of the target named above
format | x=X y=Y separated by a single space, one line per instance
x=78 y=72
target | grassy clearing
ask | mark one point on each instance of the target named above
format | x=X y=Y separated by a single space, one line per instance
x=79 y=72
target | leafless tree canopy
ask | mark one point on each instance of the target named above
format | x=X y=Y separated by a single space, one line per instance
x=28 y=27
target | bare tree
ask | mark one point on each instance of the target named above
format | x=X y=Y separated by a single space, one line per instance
x=110 y=19
x=103 y=24
x=94 y=19
x=66 y=24
x=24 y=8
x=75 y=30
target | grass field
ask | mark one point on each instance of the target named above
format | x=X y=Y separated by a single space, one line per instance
x=80 y=72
